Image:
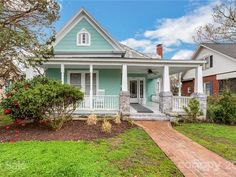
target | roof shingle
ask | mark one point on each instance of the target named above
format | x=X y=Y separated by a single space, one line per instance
x=228 y=49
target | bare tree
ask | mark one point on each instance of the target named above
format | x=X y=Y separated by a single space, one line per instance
x=26 y=32
x=223 y=27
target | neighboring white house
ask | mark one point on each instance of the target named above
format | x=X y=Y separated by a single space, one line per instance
x=218 y=73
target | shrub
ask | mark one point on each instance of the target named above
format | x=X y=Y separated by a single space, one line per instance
x=42 y=98
x=92 y=119
x=106 y=126
x=117 y=119
x=193 y=110
x=223 y=108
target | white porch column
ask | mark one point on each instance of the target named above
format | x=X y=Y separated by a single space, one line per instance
x=124 y=78
x=165 y=102
x=124 y=101
x=180 y=85
x=91 y=87
x=198 y=85
x=166 y=79
x=62 y=73
x=198 y=91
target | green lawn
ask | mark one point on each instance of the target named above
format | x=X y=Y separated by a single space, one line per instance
x=218 y=138
x=129 y=154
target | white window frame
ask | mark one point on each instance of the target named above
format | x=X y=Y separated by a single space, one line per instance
x=205 y=88
x=83 y=72
x=79 y=40
x=207 y=65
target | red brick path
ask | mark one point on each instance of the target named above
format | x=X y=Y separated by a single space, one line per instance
x=191 y=158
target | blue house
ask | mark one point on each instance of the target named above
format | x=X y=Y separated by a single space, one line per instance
x=114 y=77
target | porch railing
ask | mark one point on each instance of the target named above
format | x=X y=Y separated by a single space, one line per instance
x=100 y=102
x=179 y=102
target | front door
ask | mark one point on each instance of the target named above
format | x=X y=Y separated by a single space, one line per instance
x=136 y=88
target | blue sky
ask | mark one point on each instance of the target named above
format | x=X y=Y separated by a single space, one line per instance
x=143 y=24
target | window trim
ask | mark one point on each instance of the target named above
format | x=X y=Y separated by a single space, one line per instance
x=210 y=57
x=82 y=72
x=83 y=31
x=211 y=88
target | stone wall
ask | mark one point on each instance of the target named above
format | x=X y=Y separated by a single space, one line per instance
x=124 y=103
x=165 y=103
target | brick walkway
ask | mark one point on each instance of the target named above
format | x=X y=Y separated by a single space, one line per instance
x=191 y=158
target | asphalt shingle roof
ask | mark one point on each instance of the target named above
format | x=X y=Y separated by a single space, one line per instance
x=226 y=48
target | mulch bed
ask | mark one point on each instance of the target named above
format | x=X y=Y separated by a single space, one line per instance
x=75 y=130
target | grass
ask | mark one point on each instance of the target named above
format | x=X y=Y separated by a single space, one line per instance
x=129 y=154
x=220 y=139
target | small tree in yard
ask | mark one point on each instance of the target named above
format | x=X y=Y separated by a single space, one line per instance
x=26 y=32
x=193 y=110
x=42 y=99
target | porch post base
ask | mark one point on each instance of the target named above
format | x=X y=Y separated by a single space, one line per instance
x=202 y=98
x=124 y=102
x=165 y=104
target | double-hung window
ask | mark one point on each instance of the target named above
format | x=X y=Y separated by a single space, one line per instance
x=208 y=88
x=209 y=62
x=82 y=80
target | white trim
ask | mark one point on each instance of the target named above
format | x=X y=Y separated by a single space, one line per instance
x=79 y=41
x=138 y=87
x=166 y=79
x=62 y=73
x=73 y=22
x=124 y=60
x=229 y=75
x=83 y=78
x=91 y=86
x=198 y=84
x=124 y=78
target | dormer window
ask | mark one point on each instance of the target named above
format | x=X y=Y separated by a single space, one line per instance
x=83 y=38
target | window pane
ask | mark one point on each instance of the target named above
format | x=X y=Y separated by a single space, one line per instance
x=87 y=89
x=87 y=83
x=84 y=38
x=87 y=78
x=211 y=61
x=141 y=89
x=133 y=89
x=75 y=79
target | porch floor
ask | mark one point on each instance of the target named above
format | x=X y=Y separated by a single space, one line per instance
x=150 y=105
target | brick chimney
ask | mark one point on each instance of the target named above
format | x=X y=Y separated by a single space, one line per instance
x=159 y=50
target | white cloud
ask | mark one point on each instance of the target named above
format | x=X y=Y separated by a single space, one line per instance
x=144 y=45
x=183 y=55
x=173 y=32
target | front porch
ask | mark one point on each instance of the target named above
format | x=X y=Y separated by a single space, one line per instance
x=111 y=87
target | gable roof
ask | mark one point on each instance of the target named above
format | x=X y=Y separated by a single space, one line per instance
x=122 y=49
x=227 y=49
x=84 y=14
